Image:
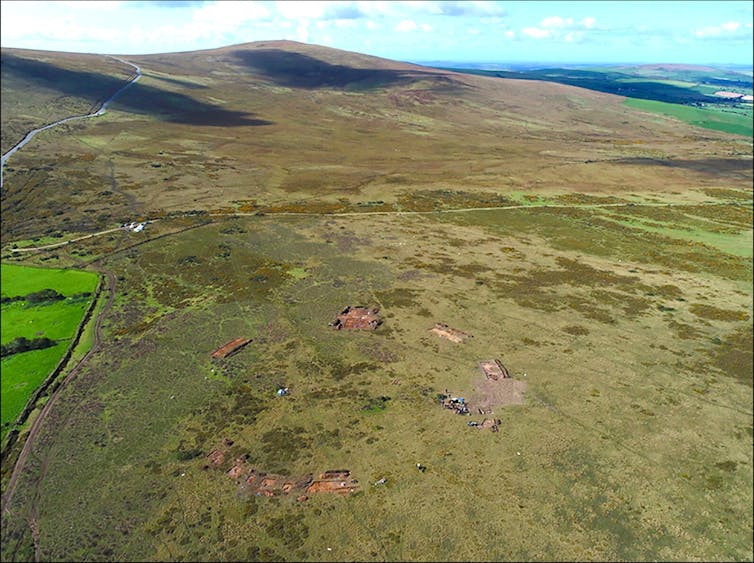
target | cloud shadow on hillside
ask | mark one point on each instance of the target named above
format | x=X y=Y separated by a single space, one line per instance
x=294 y=70
x=140 y=98
x=707 y=165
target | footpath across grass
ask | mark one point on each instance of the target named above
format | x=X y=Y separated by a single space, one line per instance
x=23 y=372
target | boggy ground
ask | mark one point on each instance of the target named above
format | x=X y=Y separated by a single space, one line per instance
x=633 y=441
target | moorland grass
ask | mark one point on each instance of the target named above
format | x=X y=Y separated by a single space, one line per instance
x=567 y=477
x=634 y=439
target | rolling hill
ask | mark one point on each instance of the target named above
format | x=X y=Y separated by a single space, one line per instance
x=598 y=254
x=276 y=121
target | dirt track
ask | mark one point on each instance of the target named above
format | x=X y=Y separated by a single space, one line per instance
x=37 y=424
x=396 y=213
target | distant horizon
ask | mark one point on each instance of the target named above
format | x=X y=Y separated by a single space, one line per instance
x=434 y=62
x=584 y=63
x=717 y=32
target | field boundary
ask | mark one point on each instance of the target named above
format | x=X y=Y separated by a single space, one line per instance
x=14 y=432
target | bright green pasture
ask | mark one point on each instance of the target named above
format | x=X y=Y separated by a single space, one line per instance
x=54 y=320
x=736 y=123
x=22 y=373
x=22 y=280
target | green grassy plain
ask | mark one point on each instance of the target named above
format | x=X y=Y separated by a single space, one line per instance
x=627 y=320
x=22 y=373
x=730 y=121
x=16 y=279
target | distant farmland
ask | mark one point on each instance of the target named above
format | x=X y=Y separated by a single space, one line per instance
x=728 y=121
x=54 y=319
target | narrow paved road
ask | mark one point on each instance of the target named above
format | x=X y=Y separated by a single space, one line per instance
x=30 y=135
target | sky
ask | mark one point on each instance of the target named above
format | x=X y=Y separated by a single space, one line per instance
x=685 y=32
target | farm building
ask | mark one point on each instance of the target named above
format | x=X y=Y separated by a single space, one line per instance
x=493 y=369
x=356 y=318
x=230 y=348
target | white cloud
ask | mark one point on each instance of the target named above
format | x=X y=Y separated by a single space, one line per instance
x=66 y=28
x=729 y=29
x=225 y=13
x=536 y=33
x=556 y=21
x=718 y=30
x=302 y=31
x=557 y=27
x=426 y=27
x=295 y=9
x=92 y=5
x=510 y=34
x=409 y=9
x=406 y=25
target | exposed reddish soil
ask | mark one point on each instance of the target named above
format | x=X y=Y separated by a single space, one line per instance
x=452 y=334
x=238 y=468
x=230 y=348
x=333 y=486
x=216 y=457
x=357 y=318
x=493 y=369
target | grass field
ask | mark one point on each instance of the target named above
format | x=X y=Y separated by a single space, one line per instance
x=618 y=351
x=17 y=279
x=22 y=373
x=666 y=89
x=738 y=122
x=598 y=251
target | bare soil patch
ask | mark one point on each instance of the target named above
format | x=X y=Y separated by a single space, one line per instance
x=452 y=334
x=489 y=393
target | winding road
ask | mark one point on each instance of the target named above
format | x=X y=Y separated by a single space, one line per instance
x=35 y=426
x=103 y=108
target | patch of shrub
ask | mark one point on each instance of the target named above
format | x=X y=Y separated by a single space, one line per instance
x=36 y=297
x=185 y=455
x=23 y=344
x=376 y=404
x=290 y=529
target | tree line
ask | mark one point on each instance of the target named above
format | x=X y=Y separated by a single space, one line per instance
x=23 y=344
x=46 y=295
